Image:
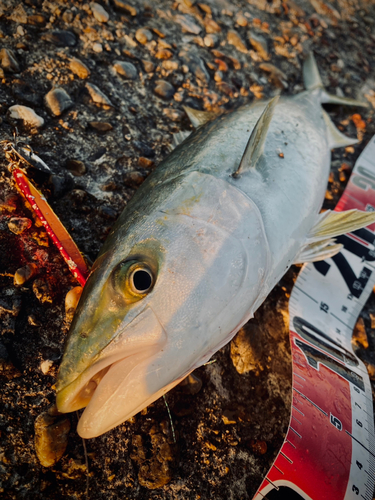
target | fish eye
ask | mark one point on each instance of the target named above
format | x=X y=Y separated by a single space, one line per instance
x=141 y=280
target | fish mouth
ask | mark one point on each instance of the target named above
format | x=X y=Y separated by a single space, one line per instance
x=97 y=388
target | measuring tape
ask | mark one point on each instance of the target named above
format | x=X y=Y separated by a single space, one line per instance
x=329 y=449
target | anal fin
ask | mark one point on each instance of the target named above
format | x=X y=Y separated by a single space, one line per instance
x=197 y=117
x=318 y=250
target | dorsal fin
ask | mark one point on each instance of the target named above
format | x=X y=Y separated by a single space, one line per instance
x=311 y=76
x=197 y=117
x=254 y=147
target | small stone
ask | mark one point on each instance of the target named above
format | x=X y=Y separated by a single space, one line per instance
x=76 y=167
x=145 y=162
x=97 y=47
x=57 y=101
x=196 y=66
x=258 y=447
x=164 y=89
x=68 y=16
x=126 y=70
x=19 y=224
x=36 y=20
x=211 y=26
x=235 y=40
x=99 y=12
x=71 y=303
x=134 y=178
x=148 y=66
x=359 y=334
x=42 y=291
x=260 y=45
x=61 y=38
x=45 y=366
x=241 y=20
x=98 y=97
x=210 y=40
x=187 y=24
x=18 y=15
x=51 y=436
x=192 y=384
x=8 y=61
x=27 y=115
x=175 y=115
x=121 y=5
x=79 y=68
x=164 y=54
x=24 y=274
x=143 y=35
x=101 y=127
x=276 y=75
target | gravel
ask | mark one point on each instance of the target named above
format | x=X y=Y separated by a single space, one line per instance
x=212 y=56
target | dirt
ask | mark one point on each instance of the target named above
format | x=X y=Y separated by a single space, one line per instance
x=226 y=426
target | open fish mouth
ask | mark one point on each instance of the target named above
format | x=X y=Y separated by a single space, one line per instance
x=100 y=386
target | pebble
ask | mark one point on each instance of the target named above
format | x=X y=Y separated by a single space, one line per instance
x=246 y=352
x=196 y=66
x=42 y=291
x=121 y=5
x=145 y=162
x=51 y=436
x=19 y=224
x=61 y=38
x=164 y=54
x=260 y=45
x=175 y=115
x=148 y=66
x=24 y=274
x=210 y=40
x=18 y=15
x=71 y=302
x=8 y=61
x=76 y=167
x=277 y=76
x=57 y=101
x=241 y=20
x=134 y=178
x=143 y=35
x=126 y=70
x=98 y=97
x=79 y=68
x=164 y=89
x=99 y=12
x=101 y=127
x=97 y=47
x=235 y=40
x=359 y=334
x=144 y=149
x=187 y=24
x=36 y=20
x=27 y=115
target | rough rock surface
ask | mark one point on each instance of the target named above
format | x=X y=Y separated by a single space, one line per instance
x=226 y=434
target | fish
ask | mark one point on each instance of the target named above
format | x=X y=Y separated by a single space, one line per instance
x=198 y=249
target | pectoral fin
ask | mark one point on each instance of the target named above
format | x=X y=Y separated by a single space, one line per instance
x=254 y=147
x=320 y=243
x=331 y=224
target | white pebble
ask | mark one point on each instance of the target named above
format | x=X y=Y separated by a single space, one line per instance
x=99 y=12
x=97 y=47
x=45 y=366
x=27 y=115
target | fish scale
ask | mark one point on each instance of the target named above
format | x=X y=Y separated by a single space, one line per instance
x=329 y=448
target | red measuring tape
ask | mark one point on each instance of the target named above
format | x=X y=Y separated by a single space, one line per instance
x=329 y=449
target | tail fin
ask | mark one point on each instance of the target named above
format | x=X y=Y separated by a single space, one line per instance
x=312 y=80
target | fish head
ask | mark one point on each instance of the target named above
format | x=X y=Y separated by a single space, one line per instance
x=161 y=299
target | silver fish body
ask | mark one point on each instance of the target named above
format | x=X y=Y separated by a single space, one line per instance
x=192 y=257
